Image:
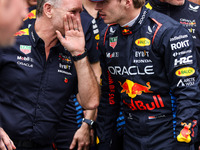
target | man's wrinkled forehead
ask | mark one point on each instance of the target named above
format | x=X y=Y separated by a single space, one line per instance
x=76 y=5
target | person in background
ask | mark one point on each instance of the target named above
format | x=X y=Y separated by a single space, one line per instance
x=39 y=74
x=30 y=18
x=12 y=13
x=159 y=89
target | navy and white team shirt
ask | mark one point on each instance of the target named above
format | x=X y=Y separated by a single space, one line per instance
x=33 y=89
x=72 y=115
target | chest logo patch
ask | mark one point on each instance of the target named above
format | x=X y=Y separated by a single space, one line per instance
x=143 y=42
x=113 y=41
x=185 y=72
x=26 y=49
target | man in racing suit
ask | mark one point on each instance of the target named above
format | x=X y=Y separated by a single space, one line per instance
x=159 y=89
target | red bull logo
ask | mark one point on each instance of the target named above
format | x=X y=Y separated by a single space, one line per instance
x=133 y=89
x=22 y=32
x=184 y=135
x=126 y=32
x=64 y=59
x=31 y=15
x=140 y=105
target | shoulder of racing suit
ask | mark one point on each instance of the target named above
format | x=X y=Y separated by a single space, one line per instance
x=149 y=21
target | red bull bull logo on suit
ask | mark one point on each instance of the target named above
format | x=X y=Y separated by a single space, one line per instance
x=133 y=89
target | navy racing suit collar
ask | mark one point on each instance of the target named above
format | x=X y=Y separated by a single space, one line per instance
x=36 y=40
x=138 y=23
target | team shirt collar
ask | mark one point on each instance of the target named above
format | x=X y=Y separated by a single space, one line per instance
x=33 y=36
